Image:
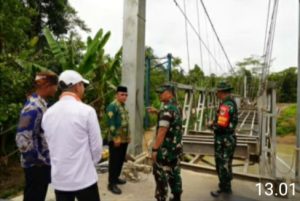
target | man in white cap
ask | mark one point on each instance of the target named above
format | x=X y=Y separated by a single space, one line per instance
x=73 y=134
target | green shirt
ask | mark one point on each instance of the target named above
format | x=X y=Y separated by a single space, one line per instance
x=118 y=122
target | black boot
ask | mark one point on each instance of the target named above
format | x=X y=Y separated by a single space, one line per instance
x=121 y=181
x=114 y=189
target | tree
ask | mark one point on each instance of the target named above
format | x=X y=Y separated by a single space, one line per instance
x=58 y=15
x=286 y=82
x=196 y=76
x=14 y=25
x=244 y=70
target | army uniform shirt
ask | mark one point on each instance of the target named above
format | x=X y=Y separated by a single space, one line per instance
x=171 y=148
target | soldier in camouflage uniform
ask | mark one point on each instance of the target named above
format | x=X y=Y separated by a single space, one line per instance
x=118 y=138
x=167 y=148
x=225 y=140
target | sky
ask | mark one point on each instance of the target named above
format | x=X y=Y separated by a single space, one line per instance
x=240 y=25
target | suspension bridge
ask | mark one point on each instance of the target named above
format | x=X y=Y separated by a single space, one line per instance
x=256 y=131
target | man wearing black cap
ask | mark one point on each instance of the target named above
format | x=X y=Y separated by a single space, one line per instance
x=118 y=138
x=167 y=148
x=225 y=140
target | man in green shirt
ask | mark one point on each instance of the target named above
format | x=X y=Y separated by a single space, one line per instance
x=224 y=126
x=118 y=138
x=167 y=148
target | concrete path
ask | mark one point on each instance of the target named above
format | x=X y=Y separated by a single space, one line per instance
x=196 y=186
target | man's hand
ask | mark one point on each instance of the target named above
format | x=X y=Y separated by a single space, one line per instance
x=152 y=110
x=117 y=142
x=210 y=124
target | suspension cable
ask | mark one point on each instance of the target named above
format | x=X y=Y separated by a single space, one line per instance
x=208 y=44
x=273 y=36
x=198 y=35
x=200 y=47
x=186 y=37
x=267 y=24
x=214 y=30
x=269 y=46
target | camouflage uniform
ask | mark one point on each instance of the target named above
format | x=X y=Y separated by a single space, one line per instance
x=225 y=143
x=167 y=168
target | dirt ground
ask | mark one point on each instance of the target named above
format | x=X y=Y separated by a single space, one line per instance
x=11 y=178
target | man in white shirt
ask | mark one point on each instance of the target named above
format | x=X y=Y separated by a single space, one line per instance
x=74 y=138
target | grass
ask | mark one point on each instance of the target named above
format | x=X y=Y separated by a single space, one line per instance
x=286 y=121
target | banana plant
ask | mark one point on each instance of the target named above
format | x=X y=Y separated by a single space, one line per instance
x=56 y=49
x=94 y=49
x=88 y=62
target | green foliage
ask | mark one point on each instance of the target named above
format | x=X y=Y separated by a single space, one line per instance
x=58 y=15
x=56 y=49
x=103 y=71
x=94 y=50
x=196 y=76
x=26 y=50
x=14 y=25
x=286 y=122
x=286 y=82
x=14 y=85
x=244 y=71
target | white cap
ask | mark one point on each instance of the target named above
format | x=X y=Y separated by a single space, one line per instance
x=71 y=77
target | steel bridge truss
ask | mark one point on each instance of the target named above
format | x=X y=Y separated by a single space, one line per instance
x=256 y=130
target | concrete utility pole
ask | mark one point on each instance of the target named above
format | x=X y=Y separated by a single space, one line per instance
x=134 y=68
x=297 y=172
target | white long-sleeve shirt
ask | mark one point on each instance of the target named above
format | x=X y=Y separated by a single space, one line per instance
x=73 y=135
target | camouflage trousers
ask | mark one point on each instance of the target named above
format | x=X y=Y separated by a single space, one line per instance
x=224 y=150
x=167 y=175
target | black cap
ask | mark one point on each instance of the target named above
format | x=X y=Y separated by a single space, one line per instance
x=122 y=89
